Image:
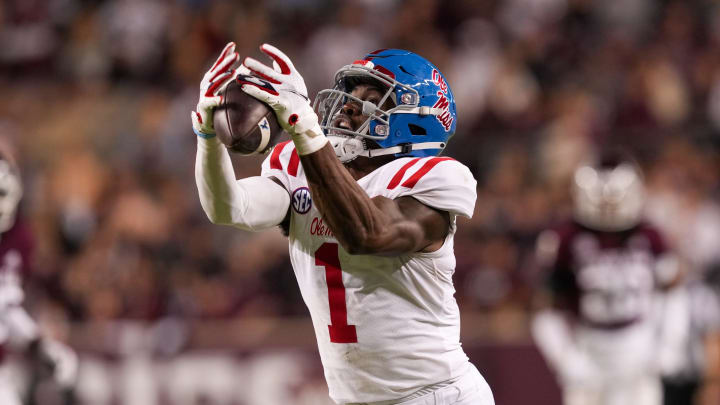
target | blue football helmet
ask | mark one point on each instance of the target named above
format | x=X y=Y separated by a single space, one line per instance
x=419 y=124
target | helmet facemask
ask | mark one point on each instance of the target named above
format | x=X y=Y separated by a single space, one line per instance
x=10 y=194
x=348 y=143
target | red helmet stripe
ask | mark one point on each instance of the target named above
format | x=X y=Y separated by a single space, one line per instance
x=384 y=70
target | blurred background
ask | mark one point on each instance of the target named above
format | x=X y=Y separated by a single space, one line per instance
x=165 y=308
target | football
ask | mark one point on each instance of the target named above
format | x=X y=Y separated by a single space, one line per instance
x=245 y=124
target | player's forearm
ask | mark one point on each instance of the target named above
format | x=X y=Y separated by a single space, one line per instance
x=358 y=224
x=215 y=176
x=552 y=335
x=21 y=327
x=254 y=203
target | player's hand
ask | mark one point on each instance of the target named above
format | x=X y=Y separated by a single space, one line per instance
x=55 y=360
x=219 y=75
x=283 y=89
x=63 y=362
x=577 y=369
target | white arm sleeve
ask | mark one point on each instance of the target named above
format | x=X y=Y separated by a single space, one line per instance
x=20 y=327
x=552 y=335
x=253 y=203
x=556 y=342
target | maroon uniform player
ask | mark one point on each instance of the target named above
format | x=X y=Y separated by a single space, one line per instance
x=17 y=330
x=605 y=270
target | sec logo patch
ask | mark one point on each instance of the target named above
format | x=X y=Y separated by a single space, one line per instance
x=301 y=200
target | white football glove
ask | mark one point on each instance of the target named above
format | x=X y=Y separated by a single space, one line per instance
x=557 y=342
x=283 y=89
x=578 y=369
x=59 y=360
x=66 y=362
x=219 y=75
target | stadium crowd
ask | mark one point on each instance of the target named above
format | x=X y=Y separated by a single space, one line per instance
x=96 y=97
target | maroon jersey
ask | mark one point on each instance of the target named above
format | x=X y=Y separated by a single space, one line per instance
x=607 y=279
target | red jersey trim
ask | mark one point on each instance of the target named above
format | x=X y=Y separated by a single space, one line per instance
x=293 y=164
x=412 y=181
x=275 y=157
x=399 y=175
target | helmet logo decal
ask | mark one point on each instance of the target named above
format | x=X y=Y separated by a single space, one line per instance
x=445 y=118
x=439 y=80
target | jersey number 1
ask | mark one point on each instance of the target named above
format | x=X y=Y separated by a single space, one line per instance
x=340 y=332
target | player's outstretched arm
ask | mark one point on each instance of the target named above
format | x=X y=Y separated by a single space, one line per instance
x=253 y=203
x=365 y=225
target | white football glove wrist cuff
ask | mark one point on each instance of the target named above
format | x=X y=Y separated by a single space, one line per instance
x=203 y=135
x=309 y=141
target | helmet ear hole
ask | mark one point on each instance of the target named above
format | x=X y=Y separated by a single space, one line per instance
x=417 y=130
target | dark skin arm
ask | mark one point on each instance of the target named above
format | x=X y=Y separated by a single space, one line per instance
x=364 y=225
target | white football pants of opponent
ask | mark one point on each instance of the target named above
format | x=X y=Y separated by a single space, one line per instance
x=598 y=366
x=8 y=391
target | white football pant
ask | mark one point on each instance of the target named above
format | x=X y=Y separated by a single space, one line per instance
x=8 y=390
x=642 y=391
x=470 y=389
x=626 y=373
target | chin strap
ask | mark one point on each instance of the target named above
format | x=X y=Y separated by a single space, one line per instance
x=347 y=148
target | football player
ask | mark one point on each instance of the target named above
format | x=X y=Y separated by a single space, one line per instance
x=606 y=267
x=371 y=211
x=692 y=374
x=18 y=331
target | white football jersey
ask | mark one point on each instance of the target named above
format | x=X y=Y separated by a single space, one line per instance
x=386 y=326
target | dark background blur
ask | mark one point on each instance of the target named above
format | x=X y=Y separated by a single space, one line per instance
x=95 y=97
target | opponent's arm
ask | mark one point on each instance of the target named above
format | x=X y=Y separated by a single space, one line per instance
x=555 y=339
x=253 y=203
x=370 y=226
x=23 y=333
x=552 y=325
x=362 y=225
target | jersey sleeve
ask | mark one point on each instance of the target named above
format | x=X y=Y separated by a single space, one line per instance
x=557 y=264
x=667 y=263
x=658 y=245
x=282 y=163
x=441 y=183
